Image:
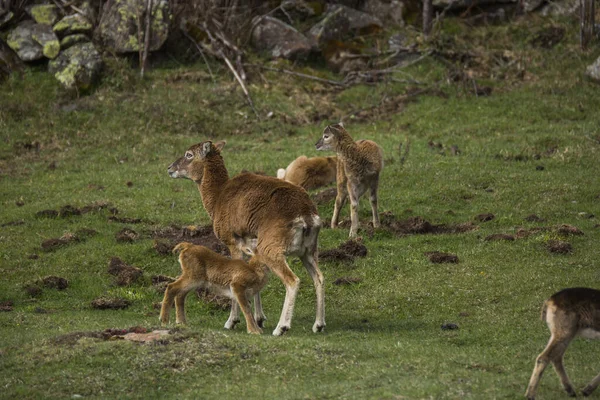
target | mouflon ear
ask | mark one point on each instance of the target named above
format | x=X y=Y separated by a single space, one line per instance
x=341 y=124
x=220 y=144
x=206 y=147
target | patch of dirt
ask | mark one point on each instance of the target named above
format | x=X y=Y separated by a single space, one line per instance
x=438 y=257
x=126 y=235
x=345 y=252
x=33 y=256
x=47 y=214
x=110 y=303
x=559 y=247
x=548 y=37
x=449 y=326
x=6 y=306
x=499 y=236
x=125 y=220
x=54 y=282
x=568 y=230
x=324 y=196
x=72 y=338
x=68 y=211
x=126 y=274
x=13 y=223
x=534 y=218
x=166 y=238
x=32 y=289
x=219 y=302
x=135 y=333
x=347 y=280
x=485 y=217
x=419 y=225
x=68 y=238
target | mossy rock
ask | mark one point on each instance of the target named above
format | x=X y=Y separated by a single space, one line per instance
x=71 y=40
x=21 y=41
x=6 y=18
x=78 y=67
x=72 y=24
x=45 y=14
x=46 y=38
x=119 y=25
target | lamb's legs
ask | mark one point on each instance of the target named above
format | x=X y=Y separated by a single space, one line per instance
x=240 y=294
x=310 y=263
x=591 y=386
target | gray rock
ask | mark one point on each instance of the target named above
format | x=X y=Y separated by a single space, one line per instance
x=21 y=41
x=561 y=8
x=300 y=9
x=72 y=24
x=77 y=67
x=390 y=12
x=71 y=40
x=341 y=22
x=279 y=39
x=46 y=38
x=531 y=5
x=119 y=25
x=593 y=71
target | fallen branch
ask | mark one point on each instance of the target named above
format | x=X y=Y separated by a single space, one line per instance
x=299 y=74
x=146 y=37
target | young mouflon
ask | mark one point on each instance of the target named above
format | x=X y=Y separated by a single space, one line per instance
x=310 y=173
x=279 y=215
x=358 y=169
x=203 y=268
x=568 y=313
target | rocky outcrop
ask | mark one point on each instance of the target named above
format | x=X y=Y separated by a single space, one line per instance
x=119 y=25
x=33 y=41
x=340 y=23
x=561 y=8
x=77 y=67
x=279 y=39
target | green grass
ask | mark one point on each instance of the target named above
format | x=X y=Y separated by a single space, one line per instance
x=383 y=336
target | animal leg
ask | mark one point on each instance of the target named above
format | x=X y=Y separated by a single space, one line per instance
x=259 y=315
x=562 y=375
x=373 y=201
x=234 y=314
x=239 y=293
x=310 y=263
x=354 y=198
x=167 y=303
x=342 y=194
x=279 y=266
x=555 y=348
x=591 y=386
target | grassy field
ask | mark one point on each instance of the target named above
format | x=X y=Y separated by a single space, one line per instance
x=531 y=147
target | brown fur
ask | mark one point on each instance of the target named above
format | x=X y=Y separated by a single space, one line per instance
x=359 y=166
x=278 y=214
x=310 y=173
x=203 y=268
x=568 y=313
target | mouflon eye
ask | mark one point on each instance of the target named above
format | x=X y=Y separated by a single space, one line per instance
x=189 y=155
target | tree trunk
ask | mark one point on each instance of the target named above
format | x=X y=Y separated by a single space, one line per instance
x=587 y=22
x=428 y=16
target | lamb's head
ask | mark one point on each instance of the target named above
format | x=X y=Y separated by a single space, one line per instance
x=191 y=165
x=330 y=137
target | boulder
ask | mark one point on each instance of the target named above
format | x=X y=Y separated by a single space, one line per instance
x=119 y=25
x=72 y=24
x=593 y=71
x=300 y=9
x=77 y=67
x=71 y=40
x=341 y=23
x=561 y=8
x=391 y=12
x=531 y=5
x=45 y=14
x=21 y=41
x=279 y=39
x=46 y=38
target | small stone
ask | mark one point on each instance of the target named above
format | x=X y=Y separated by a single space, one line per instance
x=449 y=327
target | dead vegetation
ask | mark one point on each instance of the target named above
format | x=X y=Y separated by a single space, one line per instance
x=110 y=303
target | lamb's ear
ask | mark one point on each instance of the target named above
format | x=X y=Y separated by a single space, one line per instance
x=220 y=144
x=206 y=147
x=341 y=124
x=248 y=251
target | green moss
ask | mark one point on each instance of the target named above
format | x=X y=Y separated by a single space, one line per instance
x=70 y=40
x=133 y=43
x=46 y=14
x=67 y=76
x=72 y=24
x=51 y=49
